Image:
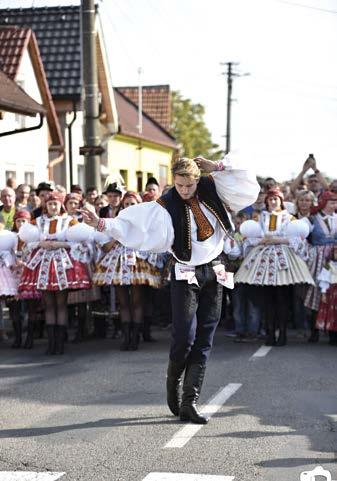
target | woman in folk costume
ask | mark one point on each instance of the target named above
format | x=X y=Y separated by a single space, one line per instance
x=8 y=279
x=274 y=262
x=191 y=221
x=79 y=298
x=31 y=297
x=128 y=270
x=327 y=313
x=322 y=238
x=53 y=266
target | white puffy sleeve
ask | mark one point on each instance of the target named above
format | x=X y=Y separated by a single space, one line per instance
x=236 y=186
x=146 y=227
x=324 y=279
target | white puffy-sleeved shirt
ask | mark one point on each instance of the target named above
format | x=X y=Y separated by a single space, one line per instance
x=149 y=226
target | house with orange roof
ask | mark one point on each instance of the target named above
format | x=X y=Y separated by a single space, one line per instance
x=141 y=153
x=28 y=145
x=128 y=152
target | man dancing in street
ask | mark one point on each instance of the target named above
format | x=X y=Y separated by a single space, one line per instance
x=191 y=221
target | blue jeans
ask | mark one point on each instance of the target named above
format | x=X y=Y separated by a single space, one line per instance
x=246 y=309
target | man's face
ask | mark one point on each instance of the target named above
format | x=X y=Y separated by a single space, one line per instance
x=42 y=195
x=314 y=185
x=8 y=198
x=185 y=186
x=114 y=199
x=22 y=193
x=91 y=196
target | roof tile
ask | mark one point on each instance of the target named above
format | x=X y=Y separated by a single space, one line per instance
x=128 y=116
x=14 y=99
x=58 y=32
x=156 y=102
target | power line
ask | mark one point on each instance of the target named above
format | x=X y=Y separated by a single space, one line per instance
x=294 y=4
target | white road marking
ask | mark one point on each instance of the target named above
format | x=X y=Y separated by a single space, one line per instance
x=185 y=477
x=29 y=476
x=28 y=364
x=261 y=352
x=187 y=432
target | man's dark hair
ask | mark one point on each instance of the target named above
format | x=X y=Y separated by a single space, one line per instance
x=91 y=188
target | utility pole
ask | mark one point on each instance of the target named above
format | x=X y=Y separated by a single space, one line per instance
x=140 y=102
x=230 y=74
x=92 y=148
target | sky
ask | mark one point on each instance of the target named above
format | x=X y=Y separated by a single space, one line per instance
x=286 y=105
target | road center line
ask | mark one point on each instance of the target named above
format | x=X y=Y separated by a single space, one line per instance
x=185 y=477
x=261 y=352
x=214 y=404
x=29 y=476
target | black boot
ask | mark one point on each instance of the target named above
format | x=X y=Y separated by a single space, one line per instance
x=282 y=338
x=126 y=336
x=60 y=335
x=147 y=336
x=134 y=343
x=333 y=338
x=314 y=335
x=17 y=327
x=118 y=329
x=29 y=342
x=194 y=376
x=173 y=383
x=270 y=337
x=51 y=340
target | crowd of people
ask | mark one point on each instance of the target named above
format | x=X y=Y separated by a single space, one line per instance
x=55 y=269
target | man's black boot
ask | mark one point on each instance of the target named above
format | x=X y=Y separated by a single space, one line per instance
x=194 y=376
x=173 y=384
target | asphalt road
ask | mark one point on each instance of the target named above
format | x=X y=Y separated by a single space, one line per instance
x=99 y=414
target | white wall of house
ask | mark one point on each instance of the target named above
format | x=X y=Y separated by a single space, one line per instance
x=24 y=155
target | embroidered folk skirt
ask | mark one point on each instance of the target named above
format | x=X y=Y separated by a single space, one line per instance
x=8 y=282
x=273 y=265
x=123 y=267
x=318 y=257
x=327 y=314
x=53 y=270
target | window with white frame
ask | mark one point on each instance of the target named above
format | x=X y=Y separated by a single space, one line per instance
x=29 y=178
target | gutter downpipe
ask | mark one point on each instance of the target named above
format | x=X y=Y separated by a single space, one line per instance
x=70 y=142
x=26 y=129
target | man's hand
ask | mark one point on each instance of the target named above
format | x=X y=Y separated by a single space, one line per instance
x=310 y=163
x=205 y=164
x=89 y=217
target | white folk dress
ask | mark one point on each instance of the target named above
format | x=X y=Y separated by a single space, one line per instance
x=274 y=264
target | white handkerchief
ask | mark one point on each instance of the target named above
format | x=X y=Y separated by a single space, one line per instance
x=185 y=273
x=224 y=278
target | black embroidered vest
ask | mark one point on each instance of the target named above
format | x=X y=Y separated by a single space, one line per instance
x=178 y=210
